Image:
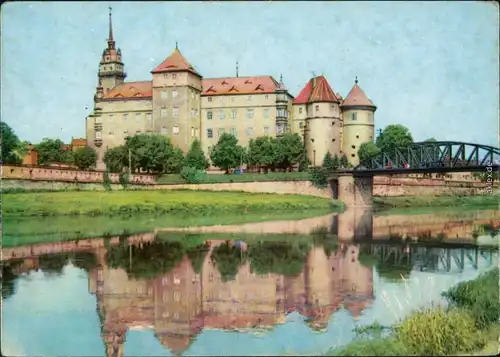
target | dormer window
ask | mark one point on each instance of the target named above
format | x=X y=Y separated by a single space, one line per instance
x=259 y=87
x=248 y=81
x=224 y=83
x=174 y=76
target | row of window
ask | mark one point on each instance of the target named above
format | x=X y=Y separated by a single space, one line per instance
x=249 y=131
x=126 y=116
x=234 y=114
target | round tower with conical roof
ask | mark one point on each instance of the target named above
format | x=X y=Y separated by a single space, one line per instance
x=358 y=122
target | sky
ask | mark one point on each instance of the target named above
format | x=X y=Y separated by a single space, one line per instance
x=430 y=66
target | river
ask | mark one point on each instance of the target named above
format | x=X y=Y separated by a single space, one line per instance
x=287 y=287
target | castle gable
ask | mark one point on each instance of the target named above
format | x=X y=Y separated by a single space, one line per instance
x=130 y=90
x=239 y=85
x=176 y=62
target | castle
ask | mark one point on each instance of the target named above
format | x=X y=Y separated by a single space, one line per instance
x=182 y=105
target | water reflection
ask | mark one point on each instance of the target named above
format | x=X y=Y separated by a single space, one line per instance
x=182 y=286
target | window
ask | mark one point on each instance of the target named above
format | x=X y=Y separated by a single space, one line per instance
x=192 y=131
x=221 y=131
x=222 y=115
x=196 y=112
x=266 y=96
x=192 y=95
x=165 y=314
x=110 y=133
x=249 y=113
x=249 y=97
x=250 y=131
x=354 y=116
x=164 y=130
x=210 y=148
x=110 y=117
x=175 y=130
x=125 y=116
x=233 y=131
x=137 y=116
x=165 y=297
x=165 y=75
x=266 y=113
x=163 y=94
x=300 y=110
x=266 y=130
x=301 y=125
x=177 y=296
x=357 y=136
x=174 y=93
x=174 y=76
x=209 y=115
x=316 y=108
x=137 y=132
x=98 y=135
x=221 y=98
x=163 y=112
x=192 y=113
x=233 y=114
x=175 y=111
x=210 y=133
x=209 y=99
x=353 y=155
x=125 y=132
x=148 y=116
x=232 y=99
x=196 y=132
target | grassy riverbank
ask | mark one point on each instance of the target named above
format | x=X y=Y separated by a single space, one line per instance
x=157 y=202
x=19 y=231
x=173 y=179
x=381 y=203
x=468 y=326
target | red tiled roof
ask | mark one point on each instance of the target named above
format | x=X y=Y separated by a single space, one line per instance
x=79 y=142
x=316 y=90
x=175 y=63
x=239 y=85
x=176 y=343
x=357 y=97
x=130 y=90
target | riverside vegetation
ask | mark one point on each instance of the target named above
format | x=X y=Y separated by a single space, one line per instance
x=470 y=323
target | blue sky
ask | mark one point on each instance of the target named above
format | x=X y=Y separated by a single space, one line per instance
x=432 y=67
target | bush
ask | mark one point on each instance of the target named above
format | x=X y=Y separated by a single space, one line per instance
x=318 y=177
x=480 y=296
x=438 y=332
x=192 y=175
x=124 y=179
x=106 y=181
x=372 y=347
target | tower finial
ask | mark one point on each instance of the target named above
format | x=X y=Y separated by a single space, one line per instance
x=281 y=78
x=356 y=80
x=110 y=38
x=176 y=45
x=237 y=70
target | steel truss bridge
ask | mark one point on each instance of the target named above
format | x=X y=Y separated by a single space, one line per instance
x=432 y=259
x=431 y=157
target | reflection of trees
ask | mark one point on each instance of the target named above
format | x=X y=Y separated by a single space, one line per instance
x=227 y=258
x=197 y=256
x=388 y=268
x=53 y=264
x=9 y=278
x=84 y=260
x=328 y=241
x=278 y=257
x=146 y=261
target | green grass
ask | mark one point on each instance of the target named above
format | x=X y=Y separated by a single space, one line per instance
x=133 y=202
x=380 y=203
x=173 y=179
x=19 y=231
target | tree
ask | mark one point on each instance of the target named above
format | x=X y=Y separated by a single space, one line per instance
x=394 y=136
x=367 y=150
x=336 y=162
x=174 y=161
x=430 y=140
x=330 y=163
x=53 y=150
x=196 y=158
x=10 y=143
x=85 y=158
x=289 y=150
x=115 y=159
x=343 y=163
x=262 y=152
x=227 y=154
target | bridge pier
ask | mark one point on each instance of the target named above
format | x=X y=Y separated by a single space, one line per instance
x=353 y=191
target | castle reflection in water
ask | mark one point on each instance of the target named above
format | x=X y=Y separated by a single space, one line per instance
x=180 y=303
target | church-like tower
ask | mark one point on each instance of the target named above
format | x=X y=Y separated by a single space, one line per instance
x=358 y=122
x=111 y=68
x=281 y=108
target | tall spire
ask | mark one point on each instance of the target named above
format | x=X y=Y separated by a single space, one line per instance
x=237 y=73
x=111 y=41
x=356 y=80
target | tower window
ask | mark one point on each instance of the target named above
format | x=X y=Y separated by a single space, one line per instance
x=353 y=146
x=266 y=113
x=175 y=130
x=111 y=117
x=300 y=110
x=354 y=116
x=317 y=108
x=249 y=113
x=163 y=112
x=164 y=94
x=312 y=140
x=266 y=96
x=250 y=131
x=333 y=123
x=174 y=76
x=137 y=116
x=222 y=115
x=209 y=115
x=174 y=93
x=164 y=130
x=233 y=114
x=192 y=131
x=209 y=99
x=234 y=132
x=353 y=155
x=266 y=130
x=125 y=116
x=210 y=133
x=357 y=136
x=175 y=111
x=333 y=140
x=249 y=97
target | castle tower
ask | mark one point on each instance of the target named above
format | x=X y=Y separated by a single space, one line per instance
x=358 y=122
x=322 y=123
x=176 y=100
x=111 y=68
x=281 y=108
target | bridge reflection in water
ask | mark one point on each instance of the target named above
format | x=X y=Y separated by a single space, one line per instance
x=180 y=287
